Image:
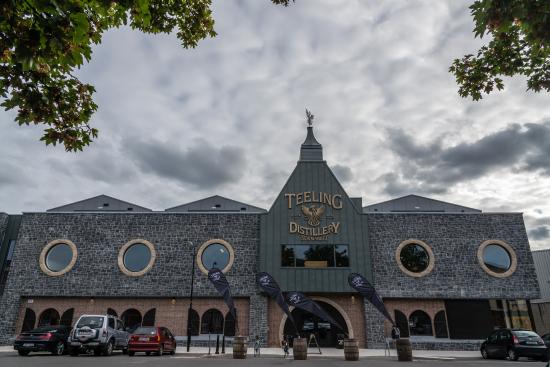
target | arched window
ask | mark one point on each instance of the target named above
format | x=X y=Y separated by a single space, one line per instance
x=67 y=317
x=402 y=323
x=28 y=320
x=212 y=322
x=112 y=312
x=229 y=326
x=440 y=325
x=194 y=322
x=131 y=318
x=49 y=317
x=420 y=323
x=149 y=317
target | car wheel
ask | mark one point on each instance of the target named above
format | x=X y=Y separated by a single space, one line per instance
x=97 y=352
x=23 y=352
x=173 y=351
x=131 y=353
x=59 y=349
x=73 y=352
x=147 y=353
x=161 y=351
x=108 y=348
x=125 y=351
x=512 y=355
x=484 y=353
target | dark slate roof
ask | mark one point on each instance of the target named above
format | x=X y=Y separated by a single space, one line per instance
x=311 y=150
x=216 y=203
x=541 y=258
x=101 y=203
x=419 y=204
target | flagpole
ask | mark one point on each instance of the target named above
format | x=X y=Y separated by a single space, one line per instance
x=190 y=301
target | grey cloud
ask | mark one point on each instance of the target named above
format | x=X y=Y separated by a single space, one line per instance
x=202 y=165
x=343 y=173
x=433 y=166
x=539 y=233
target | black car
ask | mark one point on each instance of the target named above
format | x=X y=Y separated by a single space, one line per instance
x=514 y=343
x=51 y=338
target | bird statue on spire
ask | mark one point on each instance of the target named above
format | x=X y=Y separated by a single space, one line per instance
x=310 y=117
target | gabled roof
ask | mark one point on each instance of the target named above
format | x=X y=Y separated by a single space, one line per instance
x=216 y=203
x=419 y=204
x=100 y=203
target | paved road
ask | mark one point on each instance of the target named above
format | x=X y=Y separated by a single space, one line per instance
x=10 y=359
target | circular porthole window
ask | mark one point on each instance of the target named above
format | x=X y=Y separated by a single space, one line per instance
x=58 y=257
x=415 y=258
x=215 y=254
x=136 y=257
x=497 y=258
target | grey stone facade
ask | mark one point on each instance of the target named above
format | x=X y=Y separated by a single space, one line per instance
x=99 y=236
x=454 y=239
x=3 y=225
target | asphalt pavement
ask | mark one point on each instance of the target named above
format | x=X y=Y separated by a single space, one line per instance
x=11 y=359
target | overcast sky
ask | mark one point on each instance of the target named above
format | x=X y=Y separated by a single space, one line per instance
x=228 y=117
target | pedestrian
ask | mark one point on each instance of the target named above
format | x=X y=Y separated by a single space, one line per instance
x=257 y=343
x=285 y=348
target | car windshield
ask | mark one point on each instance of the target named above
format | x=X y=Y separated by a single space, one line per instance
x=92 y=322
x=46 y=329
x=146 y=331
x=524 y=334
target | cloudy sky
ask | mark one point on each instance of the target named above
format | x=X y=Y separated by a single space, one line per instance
x=228 y=117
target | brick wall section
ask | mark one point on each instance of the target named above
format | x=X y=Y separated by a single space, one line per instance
x=99 y=236
x=168 y=313
x=352 y=306
x=454 y=239
x=408 y=306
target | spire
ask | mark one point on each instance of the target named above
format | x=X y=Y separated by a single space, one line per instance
x=311 y=150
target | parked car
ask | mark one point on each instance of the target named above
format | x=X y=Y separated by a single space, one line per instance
x=152 y=339
x=51 y=338
x=514 y=343
x=100 y=333
x=546 y=339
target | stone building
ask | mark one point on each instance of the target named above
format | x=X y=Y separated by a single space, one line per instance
x=448 y=274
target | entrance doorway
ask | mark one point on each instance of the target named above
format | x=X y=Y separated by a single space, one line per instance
x=327 y=335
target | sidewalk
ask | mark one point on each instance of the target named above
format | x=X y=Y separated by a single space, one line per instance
x=314 y=353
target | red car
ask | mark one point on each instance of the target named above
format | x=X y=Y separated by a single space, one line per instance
x=154 y=339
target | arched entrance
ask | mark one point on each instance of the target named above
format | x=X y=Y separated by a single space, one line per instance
x=307 y=323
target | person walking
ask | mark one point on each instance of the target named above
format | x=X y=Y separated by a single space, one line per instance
x=257 y=344
x=285 y=348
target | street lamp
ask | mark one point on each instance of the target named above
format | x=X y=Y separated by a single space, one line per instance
x=190 y=300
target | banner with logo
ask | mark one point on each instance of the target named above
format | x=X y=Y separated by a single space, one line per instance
x=362 y=285
x=222 y=286
x=301 y=301
x=268 y=284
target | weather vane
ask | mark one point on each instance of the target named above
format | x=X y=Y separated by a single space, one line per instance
x=310 y=117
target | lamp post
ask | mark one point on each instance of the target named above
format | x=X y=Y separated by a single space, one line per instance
x=190 y=300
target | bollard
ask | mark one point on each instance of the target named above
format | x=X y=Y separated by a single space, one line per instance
x=223 y=344
x=217 y=344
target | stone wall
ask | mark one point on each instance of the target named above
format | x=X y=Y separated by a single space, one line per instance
x=454 y=239
x=99 y=237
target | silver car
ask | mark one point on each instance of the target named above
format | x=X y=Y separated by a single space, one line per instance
x=98 y=333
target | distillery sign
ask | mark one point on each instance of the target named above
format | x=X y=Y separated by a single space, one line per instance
x=313 y=206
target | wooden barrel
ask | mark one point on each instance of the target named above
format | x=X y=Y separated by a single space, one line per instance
x=351 y=350
x=240 y=347
x=299 y=348
x=404 y=350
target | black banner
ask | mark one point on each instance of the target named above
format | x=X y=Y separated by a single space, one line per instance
x=300 y=300
x=222 y=286
x=362 y=285
x=268 y=284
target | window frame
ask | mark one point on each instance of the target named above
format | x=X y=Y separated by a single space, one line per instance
x=129 y=244
x=219 y=241
x=316 y=268
x=50 y=245
x=426 y=247
x=509 y=249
